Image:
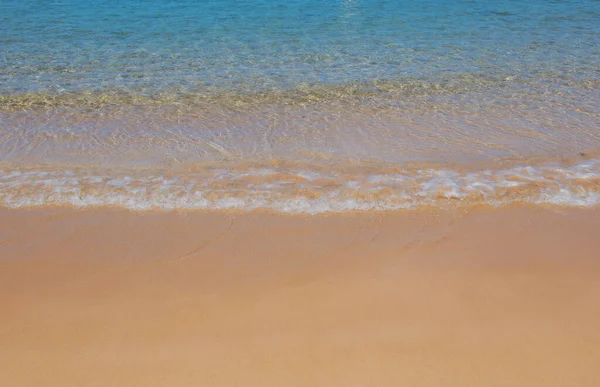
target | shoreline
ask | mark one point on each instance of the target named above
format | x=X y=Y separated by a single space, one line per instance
x=304 y=191
x=423 y=298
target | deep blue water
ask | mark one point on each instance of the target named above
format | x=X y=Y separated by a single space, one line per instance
x=157 y=45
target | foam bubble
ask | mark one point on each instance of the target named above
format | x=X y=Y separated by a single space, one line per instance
x=303 y=191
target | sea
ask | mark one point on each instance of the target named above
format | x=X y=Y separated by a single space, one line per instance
x=299 y=106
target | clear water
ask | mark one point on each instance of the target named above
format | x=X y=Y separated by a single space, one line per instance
x=353 y=88
x=249 y=45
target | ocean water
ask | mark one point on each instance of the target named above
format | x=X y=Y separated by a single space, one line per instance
x=299 y=106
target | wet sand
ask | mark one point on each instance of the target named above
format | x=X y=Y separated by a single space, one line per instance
x=488 y=297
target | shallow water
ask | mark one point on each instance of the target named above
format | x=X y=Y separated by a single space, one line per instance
x=468 y=92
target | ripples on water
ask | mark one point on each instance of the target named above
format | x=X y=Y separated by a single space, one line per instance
x=352 y=89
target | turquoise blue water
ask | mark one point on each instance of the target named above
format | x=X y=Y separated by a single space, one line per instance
x=155 y=45
x=242 y=93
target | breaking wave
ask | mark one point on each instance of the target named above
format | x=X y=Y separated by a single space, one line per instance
x=303 y=191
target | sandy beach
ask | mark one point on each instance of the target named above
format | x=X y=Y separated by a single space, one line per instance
x=299 y=193
x=488 y=297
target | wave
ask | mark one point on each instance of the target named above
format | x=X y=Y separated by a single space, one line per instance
x=303 y=191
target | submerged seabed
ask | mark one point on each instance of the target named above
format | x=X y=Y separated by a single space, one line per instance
x=391 y=145
x=299 y=106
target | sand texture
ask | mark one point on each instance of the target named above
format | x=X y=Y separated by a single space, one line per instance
x=506 y=297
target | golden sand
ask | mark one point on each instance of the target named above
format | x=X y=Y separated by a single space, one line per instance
x=506 y=297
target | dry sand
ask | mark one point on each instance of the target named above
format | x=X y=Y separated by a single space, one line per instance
x=506 y=297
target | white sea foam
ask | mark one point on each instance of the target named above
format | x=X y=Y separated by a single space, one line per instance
x=303 y=191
